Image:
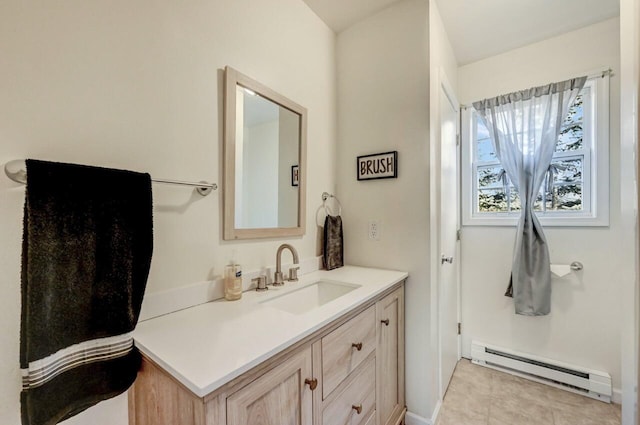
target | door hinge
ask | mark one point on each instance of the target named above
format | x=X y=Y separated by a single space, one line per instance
x=458 y=139
x=459 y=328
x=458 y=234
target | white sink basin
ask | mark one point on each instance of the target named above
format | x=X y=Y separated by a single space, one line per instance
x=311 y=296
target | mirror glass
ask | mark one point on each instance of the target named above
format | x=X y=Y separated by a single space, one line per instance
x=264 y=164
x=267 y=139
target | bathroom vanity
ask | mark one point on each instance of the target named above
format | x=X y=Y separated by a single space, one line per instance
x=326 y=350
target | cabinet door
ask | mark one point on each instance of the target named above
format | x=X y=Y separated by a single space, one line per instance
x=279 y=397
x=390 y=357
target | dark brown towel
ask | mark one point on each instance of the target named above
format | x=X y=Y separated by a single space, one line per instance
x=333 y=252
x=85 y=261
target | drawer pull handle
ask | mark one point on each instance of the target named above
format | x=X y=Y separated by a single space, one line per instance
x=357 y=408
x=385 y=321
x=312 y=383
x=357 y=346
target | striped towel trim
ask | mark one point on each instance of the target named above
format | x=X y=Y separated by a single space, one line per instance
x=43 y=370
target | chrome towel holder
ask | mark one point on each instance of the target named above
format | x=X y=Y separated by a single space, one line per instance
x=327 y=209
x=16 y=170
x=576 y=266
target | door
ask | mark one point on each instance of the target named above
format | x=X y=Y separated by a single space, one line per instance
x=449 y=225
x=279 y=397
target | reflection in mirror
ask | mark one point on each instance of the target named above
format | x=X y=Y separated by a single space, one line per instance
x=265 y=147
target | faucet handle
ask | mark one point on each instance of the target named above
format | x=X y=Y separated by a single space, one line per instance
x=293 y=273
x=261 y=283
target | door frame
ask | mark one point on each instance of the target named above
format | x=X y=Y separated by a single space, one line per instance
x=629 y=169
x=445 y=87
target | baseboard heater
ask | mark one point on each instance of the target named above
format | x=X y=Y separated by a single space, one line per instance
x=591 y=383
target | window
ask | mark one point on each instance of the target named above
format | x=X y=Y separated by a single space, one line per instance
x=575 y=190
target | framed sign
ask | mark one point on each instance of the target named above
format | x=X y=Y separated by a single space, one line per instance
x=378 y=166
x=295 y=176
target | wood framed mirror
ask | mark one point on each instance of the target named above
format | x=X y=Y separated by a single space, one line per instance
x=265 y=149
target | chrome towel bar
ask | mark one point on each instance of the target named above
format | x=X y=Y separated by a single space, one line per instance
x=16 y=170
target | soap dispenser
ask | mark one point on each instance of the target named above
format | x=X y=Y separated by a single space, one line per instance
x=232 y=281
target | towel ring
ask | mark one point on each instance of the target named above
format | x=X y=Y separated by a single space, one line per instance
x=327 y=209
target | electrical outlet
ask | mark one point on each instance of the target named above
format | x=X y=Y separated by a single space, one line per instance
x=374 y=230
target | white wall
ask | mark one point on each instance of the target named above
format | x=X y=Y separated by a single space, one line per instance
x=383 y=105
x=584 y=325
x=137 y=85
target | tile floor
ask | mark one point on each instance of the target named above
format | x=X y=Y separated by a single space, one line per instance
x=481 y=396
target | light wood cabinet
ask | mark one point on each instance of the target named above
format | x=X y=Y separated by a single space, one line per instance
x=278 y=397
x=356 y=403
x=390 y=357
x=156 y=398
x=350 y=372
x=344 y=349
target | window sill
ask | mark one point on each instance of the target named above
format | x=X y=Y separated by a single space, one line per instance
x=548 y=221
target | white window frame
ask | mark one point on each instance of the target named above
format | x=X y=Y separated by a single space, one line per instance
x=595 y=190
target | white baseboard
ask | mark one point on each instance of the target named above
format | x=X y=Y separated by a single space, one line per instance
x=413 y=419
x=436 y=412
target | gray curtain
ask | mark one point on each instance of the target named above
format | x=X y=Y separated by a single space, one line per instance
x=524 y=128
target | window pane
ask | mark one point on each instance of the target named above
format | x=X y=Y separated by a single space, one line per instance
x=484 y=146
x=567 y=198
x=567 y=170
x=571 y=138
x=571 y=134
x=576 y=111
x=490 y=177
x=492 y=200
x=567 y=179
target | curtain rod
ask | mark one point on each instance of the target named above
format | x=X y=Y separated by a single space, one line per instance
x=16 y=170
x=593 y=76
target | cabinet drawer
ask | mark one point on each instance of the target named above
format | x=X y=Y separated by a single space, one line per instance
x=344 y=349
x=360 y=393
x=372 y=419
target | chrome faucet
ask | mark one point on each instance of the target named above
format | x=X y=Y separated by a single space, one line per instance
x=293 y=271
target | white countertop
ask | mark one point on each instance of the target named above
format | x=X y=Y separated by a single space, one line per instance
x=208 y=345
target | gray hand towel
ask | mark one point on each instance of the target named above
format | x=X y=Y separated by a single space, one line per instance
x=85 y=261
x=333 y=251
